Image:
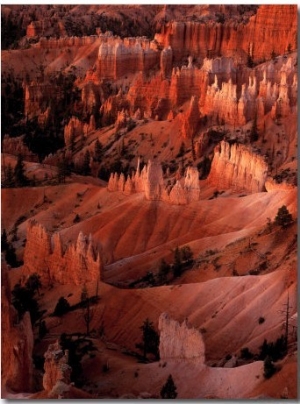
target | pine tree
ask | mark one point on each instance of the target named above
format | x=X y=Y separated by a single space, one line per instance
x=11 y=257
x=169 y=389
x=72 y=142
x=269 y=368
x=254 y=130
x=9 y=181
x=177 y=266
x=163 y=271
x=63 y=170
x=19 y=172
x=98 y=151
x=4 y=241
x=62 y=307
x=283 y=218
x=33 y=283
x=86 y=169
x=150 y=339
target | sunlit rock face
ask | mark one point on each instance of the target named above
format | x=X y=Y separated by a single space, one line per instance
x=45 y=255
x=236 y=167
x=179 y=341
x=150 y=181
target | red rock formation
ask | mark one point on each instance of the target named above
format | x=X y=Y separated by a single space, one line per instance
x=236 y=167
x=190 y=119
x=76 y=129
x=15 y=146
x=117 y=57
x=65 y=41
x=45 y=255
x=272 y=185
x=150 y=181
x=36 y=94
x=16 y=342
x=56 y=367
x=179 y=341
x=271 y=29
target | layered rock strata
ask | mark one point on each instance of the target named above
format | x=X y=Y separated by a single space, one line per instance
x=44 y=254
x=238 y=168
x=272 y=29
x=117 y=57
x=179 y=341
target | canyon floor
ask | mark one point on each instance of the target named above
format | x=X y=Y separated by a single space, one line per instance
x=225 y=234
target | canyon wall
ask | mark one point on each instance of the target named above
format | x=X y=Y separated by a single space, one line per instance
x=150 y=181
x=238 y=168
x=16 y=342
x=179 y=341
x=202 y=60
x=219 y=90
x=272 y=29
x=119 y=57
x=44 y=254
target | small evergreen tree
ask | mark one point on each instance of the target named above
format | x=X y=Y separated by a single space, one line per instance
x=181 y=150
x=98 y=151
x=186 y=253
x=177 y=266
x=72 y=142
x=9 y=181
x=254 y=130
x=63 y=170
x=62 y=307
x=163 y=271
x=84 y=294
x=33 y=283
x=4 y=242
x=42 y=329
x=169 y=390
x=269 y=368
x=283 y=218
x=78 y=348
x=86 y=169
x=23 y=300
x=19 y=172
x=150 y=339
x=11 y=257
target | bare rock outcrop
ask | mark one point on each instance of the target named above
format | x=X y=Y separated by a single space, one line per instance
x=272 y=185
x=237 y=167
x=16 y=342
x=37 y=94
x=78 y=263
x=76 y=129
x=119 y=57
x=57 y=377
x=150 y=181
x=179 y=341
x=271 y=28
x=56 y=367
